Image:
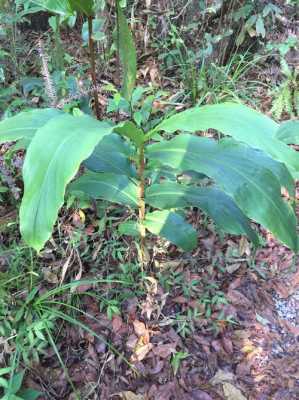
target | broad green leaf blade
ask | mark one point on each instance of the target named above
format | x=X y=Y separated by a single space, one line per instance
x=62 y=7
x=241 y=172
x=288 y=132
x=29 y=394
x=172 y=227
x=53 y=158
x=25 y=124
x=129 y=129
x=83 y=6
x=129 y=228
x=111 y=155
x=67 y=7
x=110 y=187
x=238 y=121
x=127 y=54
x=16 y=381
x=218 y=205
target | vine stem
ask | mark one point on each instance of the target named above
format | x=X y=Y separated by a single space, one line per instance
x=92 y=61
x=141 y=205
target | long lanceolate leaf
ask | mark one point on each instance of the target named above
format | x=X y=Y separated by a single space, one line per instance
x=67 y=7
x=218 y=205
x=83 y=6
x=53 y=158
x=238 y=121
x=127 y=54
x=110 y=187
x=111 y=155
x=254 y=188
x=62 y=7
x=172 y=227
x=25 y=124
x=288 y=132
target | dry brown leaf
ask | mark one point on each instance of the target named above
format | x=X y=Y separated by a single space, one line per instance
x=131 y=396
x=231 y=268
x=140 y=328
x=117 y=323
x=132 y=342
x=50 y=276
x=231 y=392
x=222 y=376
x=65 y=267
x=244 y=247
x=164 y=350
x=148 y=306
x=141 y=351
x=152 y=286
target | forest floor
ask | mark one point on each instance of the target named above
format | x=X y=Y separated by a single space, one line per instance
x=148 y=337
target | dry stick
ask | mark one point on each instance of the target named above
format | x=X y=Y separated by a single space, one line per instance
x=93 y=68
x=141 y=205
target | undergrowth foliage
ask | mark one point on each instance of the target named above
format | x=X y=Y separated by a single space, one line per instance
x=227 y=160
x=132 y=164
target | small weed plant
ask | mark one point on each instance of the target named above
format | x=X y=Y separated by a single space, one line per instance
x=139 y=163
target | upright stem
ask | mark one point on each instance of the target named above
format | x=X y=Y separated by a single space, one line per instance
x=93 y=68
x=58 y=46
x=141 y=205
x=117 y=38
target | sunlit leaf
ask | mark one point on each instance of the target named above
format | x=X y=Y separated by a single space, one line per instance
x=246 y=174
x=53 y=158
x=238 y=121
x=127 y=53
x=110 y=187
x=172 y=227
x=218 y=205
x=25 y=124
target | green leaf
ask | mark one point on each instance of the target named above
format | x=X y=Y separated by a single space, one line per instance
x=83 y=6
x=110 y=187
x=29 y=394
x=6 y=370
x=240 y=122
x=218 y=205
x=97 y=34
x=4 y=383
x=25 y=124
x=129 y=129
x=130 y=228
x=16 y=382
x=242 y=172
x=67 y=7
x=111 y=155
x=288 y=132
x=260 y=27
x=172 y=227
x=53 y=158
x=62 y=7
x=127 y=54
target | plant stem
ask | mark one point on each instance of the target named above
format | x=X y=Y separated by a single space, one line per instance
x=93 y=67
x=141 y=205
x=58 y=46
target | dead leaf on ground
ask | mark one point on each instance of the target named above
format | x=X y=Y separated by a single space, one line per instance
x=222 y=376
x=131 y=396
x=231 y=268
x=164 y=350
x=231 y=392
x=50 y=276
x=141 y=330
x=198 y=394
x=141 y=351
